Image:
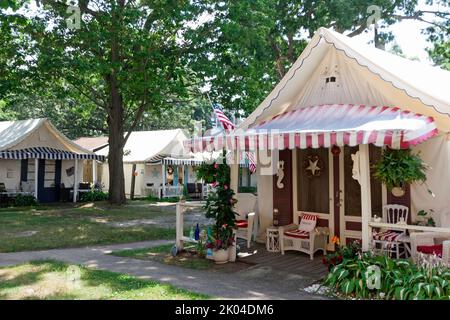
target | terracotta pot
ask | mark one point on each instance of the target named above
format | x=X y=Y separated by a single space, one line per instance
x=220 y=256
x=398 y=191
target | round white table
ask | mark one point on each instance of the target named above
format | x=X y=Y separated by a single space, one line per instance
x=272 y=239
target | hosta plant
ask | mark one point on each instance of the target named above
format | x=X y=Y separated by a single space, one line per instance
x=398 y=279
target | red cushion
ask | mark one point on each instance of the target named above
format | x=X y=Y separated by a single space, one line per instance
x=241 y=223
x=436 y=249
x=300 y=234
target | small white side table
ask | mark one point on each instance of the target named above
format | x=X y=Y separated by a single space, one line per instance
x=272 y=242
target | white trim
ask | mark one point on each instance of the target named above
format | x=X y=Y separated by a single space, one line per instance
x=331 y=198
x=366 y=205
x=36 y=177
x=294 y=187
x=75 y=182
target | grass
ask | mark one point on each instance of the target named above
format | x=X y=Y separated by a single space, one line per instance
x=66 y=225
x=56 y=280
x=162 y=254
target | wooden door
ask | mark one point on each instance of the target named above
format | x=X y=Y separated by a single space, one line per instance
x=349 y=194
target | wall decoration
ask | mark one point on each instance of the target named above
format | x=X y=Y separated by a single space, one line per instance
x=313 y=165
x=169 y=170
x=356 y=174
x=70 y=171
x=280 y=175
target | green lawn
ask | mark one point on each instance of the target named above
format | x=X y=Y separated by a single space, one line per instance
x=63 y=226
x=56 y=280
x=162 y=254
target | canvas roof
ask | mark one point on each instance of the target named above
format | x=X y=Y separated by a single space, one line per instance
x=143 y=146
x=92 y=143
x=364 y=75
x=16 y=135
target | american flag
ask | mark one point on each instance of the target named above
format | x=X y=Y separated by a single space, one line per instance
x=222 y=118
x=227 y=125
x=251 y=162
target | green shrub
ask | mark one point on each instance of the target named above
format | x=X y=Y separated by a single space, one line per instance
x=399 y=279
x=24 y=200
x=93 y=195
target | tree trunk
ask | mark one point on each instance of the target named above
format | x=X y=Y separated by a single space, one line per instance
x=116 y=137
x=115 y=119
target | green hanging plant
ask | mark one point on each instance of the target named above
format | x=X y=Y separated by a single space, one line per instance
x=397 y=168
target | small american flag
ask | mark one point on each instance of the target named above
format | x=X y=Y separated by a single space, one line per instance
x=251 y=162
x=226 y=123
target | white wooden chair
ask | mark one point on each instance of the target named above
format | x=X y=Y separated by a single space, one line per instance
x=246 y=220
x=391 y=240
x=429 y=243
x=305 y=237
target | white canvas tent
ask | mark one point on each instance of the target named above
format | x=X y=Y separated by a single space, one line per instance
x=152 y=154
x=335 y=71
x=36 y=158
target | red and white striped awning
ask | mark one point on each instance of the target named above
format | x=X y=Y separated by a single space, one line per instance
x=325 y=126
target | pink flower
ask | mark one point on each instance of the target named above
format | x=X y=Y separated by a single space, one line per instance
x=214 y=184
x=216 y=165
x=225 y=187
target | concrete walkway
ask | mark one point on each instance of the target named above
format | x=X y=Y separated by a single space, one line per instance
x=252 y=283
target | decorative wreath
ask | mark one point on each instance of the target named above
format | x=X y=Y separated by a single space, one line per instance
x=169 y=169
x=313 y=165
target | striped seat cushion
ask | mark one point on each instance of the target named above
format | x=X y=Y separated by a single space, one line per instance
x=241 y=223
x=389 y=235
x=297 y=234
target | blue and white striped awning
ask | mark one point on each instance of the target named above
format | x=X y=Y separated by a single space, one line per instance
x=161 y=159
x=48 y=154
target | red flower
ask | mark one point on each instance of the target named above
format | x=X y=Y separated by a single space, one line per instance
x=214 y=184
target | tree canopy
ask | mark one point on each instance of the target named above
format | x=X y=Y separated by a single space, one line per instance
x=113 y=66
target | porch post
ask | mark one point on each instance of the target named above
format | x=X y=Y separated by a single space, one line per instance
x=366 y=205
x=75 y=181
x=36 y=177
x=186 y=175
x=175 y=176
x=234 y=171
x=163 y=177
x=94 y=171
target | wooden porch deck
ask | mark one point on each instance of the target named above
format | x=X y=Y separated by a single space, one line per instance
x=292 y=262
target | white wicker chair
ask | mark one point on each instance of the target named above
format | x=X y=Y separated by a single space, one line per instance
x=430 y=239
x=291 y=238
x=390 y=240
x=246 y=219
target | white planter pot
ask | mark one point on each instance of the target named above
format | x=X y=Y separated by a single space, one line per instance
x=220 y=256
x=398 y=192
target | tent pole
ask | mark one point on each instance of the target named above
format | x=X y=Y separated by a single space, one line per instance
x=133 y=181
x=36 y=177
x=366 y=205
x=75 y=181
x=234 y=171
x=94 y=171
x=163 y=176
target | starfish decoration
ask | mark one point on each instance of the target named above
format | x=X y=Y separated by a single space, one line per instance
x=313 y=166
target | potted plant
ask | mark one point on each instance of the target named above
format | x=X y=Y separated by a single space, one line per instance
x=219 y=206
x=397 y=168
x=425 y=218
